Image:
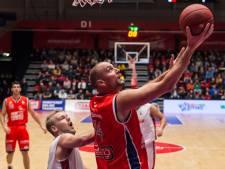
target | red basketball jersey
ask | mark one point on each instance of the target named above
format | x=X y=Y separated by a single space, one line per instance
x=117 y=145
x=17 y=111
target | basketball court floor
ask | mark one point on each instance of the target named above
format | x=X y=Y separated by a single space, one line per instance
x=189 y=142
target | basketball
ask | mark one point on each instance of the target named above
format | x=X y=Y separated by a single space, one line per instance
x=196 y=16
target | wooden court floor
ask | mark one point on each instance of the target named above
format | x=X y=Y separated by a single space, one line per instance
x=202 y=136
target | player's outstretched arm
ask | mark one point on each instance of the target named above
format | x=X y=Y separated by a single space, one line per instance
x=69 y=141
x=36 y=118
x=193 y=42
x=133 y=82
x=2 y=119
x=132 y=98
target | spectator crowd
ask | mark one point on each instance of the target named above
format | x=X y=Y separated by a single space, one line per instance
x=204 y=78
x=64 y=74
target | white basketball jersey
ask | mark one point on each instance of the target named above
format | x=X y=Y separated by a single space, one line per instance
x=147 y=124
x=73 y=161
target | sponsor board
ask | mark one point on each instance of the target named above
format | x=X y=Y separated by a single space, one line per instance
x=79 y=106
x=35 y=104
x=194 y=106
x=52 y=105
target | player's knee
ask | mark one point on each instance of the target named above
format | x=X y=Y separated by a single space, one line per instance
x=10 y=153
x=24 y=152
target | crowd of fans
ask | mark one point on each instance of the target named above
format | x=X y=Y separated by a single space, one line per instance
x=4 y=88
x=64 y=74
x=204 y=78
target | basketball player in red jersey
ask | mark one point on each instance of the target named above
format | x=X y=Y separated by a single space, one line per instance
x=16 y=108
x=118 y=138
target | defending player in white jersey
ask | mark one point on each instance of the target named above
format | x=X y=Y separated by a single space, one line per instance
x=64 y=152
x=147 y=115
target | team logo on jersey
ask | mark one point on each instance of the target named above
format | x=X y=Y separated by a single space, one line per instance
x=11 y=105
x=105 y=152
x=23 y=102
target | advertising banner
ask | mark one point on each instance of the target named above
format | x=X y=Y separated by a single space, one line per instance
x=79 y=106
x=52 y=105
x=62 y=40
x=35 y=104
x=194 y=106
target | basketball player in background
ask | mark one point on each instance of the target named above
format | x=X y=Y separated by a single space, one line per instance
x=147 y=115
x=15 y=108
x=118 y=137
x=64 y=152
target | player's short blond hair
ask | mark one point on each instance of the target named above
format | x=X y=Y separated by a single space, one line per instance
x=49 y=122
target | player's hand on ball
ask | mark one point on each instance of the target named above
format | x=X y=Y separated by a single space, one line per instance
x=195 y=41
